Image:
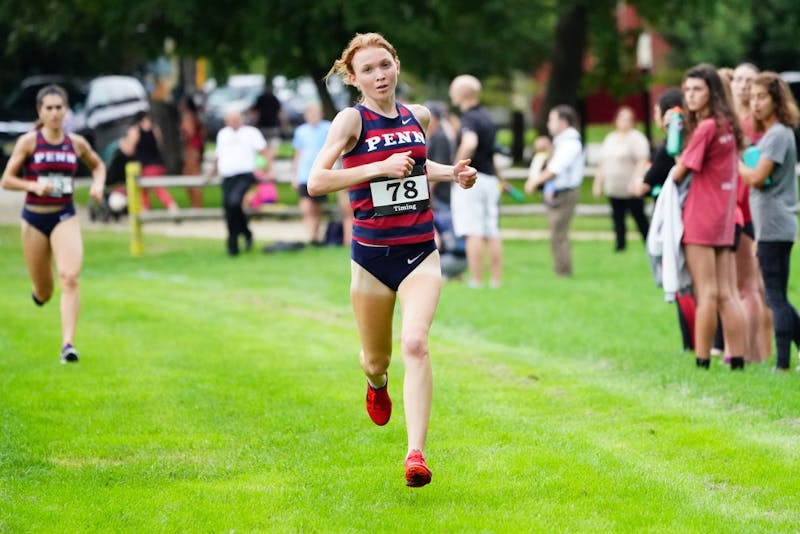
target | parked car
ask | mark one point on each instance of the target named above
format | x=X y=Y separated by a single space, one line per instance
x=111 y=104
x=18 y=111
x=297 y=93
x=242 y=90
x=100 y=109
x=239 y=93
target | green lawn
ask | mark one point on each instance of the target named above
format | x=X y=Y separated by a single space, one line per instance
x=224 y=395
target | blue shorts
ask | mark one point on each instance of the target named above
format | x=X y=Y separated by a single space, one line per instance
x=391 y=264
x=46 y=222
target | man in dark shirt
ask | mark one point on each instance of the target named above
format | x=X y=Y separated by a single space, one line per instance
x=452 y=249
x=662 y=162
x=476 y=210
x=270 y=119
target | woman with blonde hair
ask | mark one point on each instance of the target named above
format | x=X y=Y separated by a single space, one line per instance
x=749 y=282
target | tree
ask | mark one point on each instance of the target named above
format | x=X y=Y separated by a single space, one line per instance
x=436 y=39
x=704 y=30
x=772 y=42
x=566 y=61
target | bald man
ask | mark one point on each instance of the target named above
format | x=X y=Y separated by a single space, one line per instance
x=237 y=146
x=476 y=210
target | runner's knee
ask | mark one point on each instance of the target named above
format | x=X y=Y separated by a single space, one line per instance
x=68 y=278
x=414 y=343
x=374 y=364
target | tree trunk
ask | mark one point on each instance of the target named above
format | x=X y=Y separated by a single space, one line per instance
x=518 y=136
x=566 y=64
x=328 y=109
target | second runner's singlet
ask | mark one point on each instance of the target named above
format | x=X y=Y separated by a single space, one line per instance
x=54 y=163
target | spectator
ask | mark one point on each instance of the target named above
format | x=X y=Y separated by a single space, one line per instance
x=271 y=120
x=193 y=135
x=476 y=210
x=542 y=152
x=565 y=170
x=773 y=196
x=749 y=282
x=237 y=146
x=743 y=76
x=651 y=183
x=308 y=140
x=117 y=156
x=655 y=175
x=713 y=138
x=148 y=153
x=452 y=249
x=624 y=156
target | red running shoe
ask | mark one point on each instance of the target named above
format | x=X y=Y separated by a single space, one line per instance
x=379 y=405
x=417 y=472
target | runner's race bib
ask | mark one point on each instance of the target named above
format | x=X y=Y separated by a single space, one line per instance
x=396 y=196
x=62 y=185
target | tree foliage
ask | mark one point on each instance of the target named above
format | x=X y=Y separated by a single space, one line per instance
x=436 y=39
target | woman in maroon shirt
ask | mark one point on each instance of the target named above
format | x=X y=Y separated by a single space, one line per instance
x=714 y=138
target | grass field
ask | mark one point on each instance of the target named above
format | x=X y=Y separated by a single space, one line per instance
x=222 y=395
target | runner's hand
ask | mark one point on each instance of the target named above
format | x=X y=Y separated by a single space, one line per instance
x=41 y=189
x=96 y=192
x=465 y=175
x=398 y=165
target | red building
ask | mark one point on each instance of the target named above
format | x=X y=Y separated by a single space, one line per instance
x=600 y=106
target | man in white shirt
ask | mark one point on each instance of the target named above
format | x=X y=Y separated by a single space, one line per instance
x=564 y=171
x=237 y=146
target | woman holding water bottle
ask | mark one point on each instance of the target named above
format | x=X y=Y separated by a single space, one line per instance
x=47 y=160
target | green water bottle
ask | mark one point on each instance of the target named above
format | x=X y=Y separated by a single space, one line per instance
x=675 y=132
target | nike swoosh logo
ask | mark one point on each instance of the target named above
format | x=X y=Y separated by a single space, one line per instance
x=415 y=258
x=406 y=121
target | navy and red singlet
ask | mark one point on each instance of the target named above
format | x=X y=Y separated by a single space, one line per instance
x=396 y=224
x=57 y=161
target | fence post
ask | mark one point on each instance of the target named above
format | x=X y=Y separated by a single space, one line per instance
x=132 y=172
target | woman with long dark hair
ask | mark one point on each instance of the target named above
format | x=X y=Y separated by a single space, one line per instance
x=47 y=160
x=714 y=137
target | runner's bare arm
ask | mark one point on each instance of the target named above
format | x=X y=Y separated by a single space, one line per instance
x=344 y=132
x=460 y=173
x=23 y=148
x=95 y=164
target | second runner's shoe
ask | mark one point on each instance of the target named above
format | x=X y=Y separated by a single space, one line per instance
x=69 y=354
